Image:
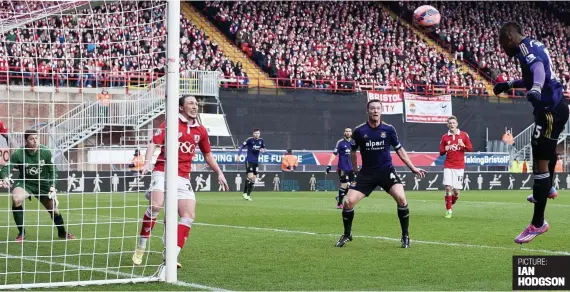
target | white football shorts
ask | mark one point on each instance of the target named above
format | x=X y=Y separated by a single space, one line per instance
x=453 y=178
x=158 y=183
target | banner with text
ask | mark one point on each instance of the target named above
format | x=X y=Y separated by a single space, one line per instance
x=481 y=159
x=392 y=103
x=77 y=182
x=427 y=109
x=420 y=159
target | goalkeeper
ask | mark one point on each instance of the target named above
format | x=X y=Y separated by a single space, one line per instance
x=37 y=176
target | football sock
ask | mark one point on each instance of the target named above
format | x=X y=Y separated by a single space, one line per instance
x=540 y=191
x=455 y=197
x=184 y=226
x=448 y=201
x=250 y=184
x=246 y=186
x=551 y=167
x=19 y=218
x=347 y=216
x=58 y=221
x=341 y=193
x=149 y=220
x=404 y=216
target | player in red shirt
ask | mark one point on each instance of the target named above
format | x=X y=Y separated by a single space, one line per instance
x=454 y=143
x=190 y=136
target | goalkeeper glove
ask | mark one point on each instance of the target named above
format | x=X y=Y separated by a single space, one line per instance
x=502 y=87
x=53 y=196
x=533 y=95
x=328 y=169
x=6 y=182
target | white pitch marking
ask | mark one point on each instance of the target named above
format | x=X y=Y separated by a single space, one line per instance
x=127 y=275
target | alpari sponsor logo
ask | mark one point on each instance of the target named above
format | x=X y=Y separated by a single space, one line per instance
x=487 y=159
x=374 y=145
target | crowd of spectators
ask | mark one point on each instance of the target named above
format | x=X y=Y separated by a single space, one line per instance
x=470 y=29
x=349 y=43
x=13 y=12
x=305 y=44
x=100 y=46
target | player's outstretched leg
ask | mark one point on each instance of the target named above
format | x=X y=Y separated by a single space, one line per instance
x=352 y=198
x=448 y=202
x=56 y=217
x=538 y=225
x=18 y=197
x=149 y=220
x=397 y=192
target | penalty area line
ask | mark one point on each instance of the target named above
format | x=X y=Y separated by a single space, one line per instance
x=554 y=252
x=122 y=274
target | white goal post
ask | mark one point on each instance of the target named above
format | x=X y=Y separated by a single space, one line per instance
x=101 y=206
x=172 y=96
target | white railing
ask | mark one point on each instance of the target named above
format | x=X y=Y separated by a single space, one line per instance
x=138 y=109
x=87 y=119
x=135 y=111
x=203 y=83
x=522 y=141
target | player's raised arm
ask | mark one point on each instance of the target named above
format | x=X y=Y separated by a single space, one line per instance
x=504 y=86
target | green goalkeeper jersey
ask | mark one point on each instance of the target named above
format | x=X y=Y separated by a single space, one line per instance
x=33 y=168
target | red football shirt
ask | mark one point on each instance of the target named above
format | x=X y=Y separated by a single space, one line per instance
x=456 y=154
x=189 y=136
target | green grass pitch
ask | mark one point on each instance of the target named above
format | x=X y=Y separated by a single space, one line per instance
x=285 y=241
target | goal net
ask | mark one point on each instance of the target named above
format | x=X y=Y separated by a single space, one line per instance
x=89 y=77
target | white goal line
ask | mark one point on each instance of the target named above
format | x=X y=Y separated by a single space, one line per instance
x=130 y=278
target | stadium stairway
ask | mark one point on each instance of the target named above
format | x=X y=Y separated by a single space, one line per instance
x=464 y=66
x=228 y=47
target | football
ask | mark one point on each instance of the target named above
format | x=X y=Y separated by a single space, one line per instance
x=426 y=18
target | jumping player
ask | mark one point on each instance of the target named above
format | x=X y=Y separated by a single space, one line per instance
x=344 y=166
x=190 y=136
x=255 y=146
x=374 y=139
x=454 y=143
x=545 y=93
x=37 y=177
